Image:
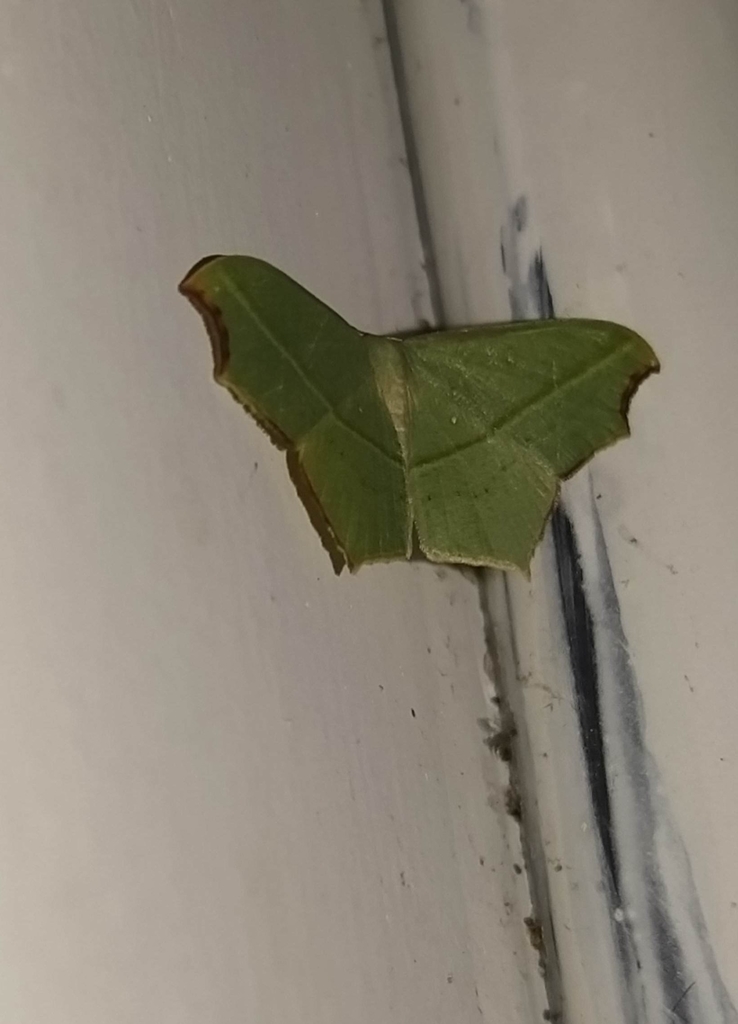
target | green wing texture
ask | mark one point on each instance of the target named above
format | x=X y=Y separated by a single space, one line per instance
x=452 y=442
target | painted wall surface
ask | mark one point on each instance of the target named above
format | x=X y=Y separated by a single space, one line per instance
x=232 y=787
x=593 y=160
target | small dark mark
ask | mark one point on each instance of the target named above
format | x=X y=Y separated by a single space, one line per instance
x=517 y=869
x=403 y=881
x=379 y=40
x=500 y=742
x=457 y=101
x=513 y=803
x=481 y=864
x=652 y=135
x=473 y=16
x=683 y=996
x=535 y=933
x=412 y=712
x=520 y=214
x=449 y=979
x=558 y=867
x=381 y=687
x=598 y=496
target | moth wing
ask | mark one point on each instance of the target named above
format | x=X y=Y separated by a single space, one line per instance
x=307 y=377
x=498 y=416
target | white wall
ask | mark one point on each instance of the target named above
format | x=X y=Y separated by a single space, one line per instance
x=616 y=122
x=216 y=803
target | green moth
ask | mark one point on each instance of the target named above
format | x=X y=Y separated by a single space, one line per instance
x=450 y=443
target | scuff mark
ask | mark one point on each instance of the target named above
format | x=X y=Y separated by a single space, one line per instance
x=645 y=864
x=657 y=874
x=474 y=19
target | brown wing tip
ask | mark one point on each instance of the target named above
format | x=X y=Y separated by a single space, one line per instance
x=197 y=294
x=185 y=284
x=652 y=366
